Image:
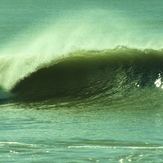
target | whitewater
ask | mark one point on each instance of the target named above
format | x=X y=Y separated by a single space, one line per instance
x=81 y=81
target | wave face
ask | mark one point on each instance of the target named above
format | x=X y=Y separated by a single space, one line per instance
x=109 y=74
x=62 y=50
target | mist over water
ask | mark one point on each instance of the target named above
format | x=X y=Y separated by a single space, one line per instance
x=81 y=81
x=38 y=35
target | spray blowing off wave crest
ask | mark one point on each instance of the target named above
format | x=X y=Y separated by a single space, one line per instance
x=20 y=58
x=95 y=29
x=110 y=75
x=40 y=46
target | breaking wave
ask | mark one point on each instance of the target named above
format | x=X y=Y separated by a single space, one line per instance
x=105 y=74
x=75 y=56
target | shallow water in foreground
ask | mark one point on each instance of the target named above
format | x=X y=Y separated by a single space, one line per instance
x=83 y=133
x=87 y=78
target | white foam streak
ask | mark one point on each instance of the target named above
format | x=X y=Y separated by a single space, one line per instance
x=16 y=143
x=118 y=147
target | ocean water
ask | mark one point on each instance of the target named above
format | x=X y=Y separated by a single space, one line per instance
x=81 y=81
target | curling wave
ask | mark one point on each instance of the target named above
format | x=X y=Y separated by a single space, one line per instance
x=107 y=74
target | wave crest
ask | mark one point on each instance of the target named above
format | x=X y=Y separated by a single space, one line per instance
x=110 y=74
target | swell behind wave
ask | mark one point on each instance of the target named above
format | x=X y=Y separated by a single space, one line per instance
x=109 y=74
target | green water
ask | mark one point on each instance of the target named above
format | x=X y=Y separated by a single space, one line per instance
x=116 y=133
x=81 y=81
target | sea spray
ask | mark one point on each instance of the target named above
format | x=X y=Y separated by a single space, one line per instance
x=87 y=80
x=43 y=45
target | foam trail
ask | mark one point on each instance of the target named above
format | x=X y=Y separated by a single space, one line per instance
x=118 y=147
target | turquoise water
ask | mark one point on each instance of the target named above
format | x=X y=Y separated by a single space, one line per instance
x=81 y=81
x=117 y=133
